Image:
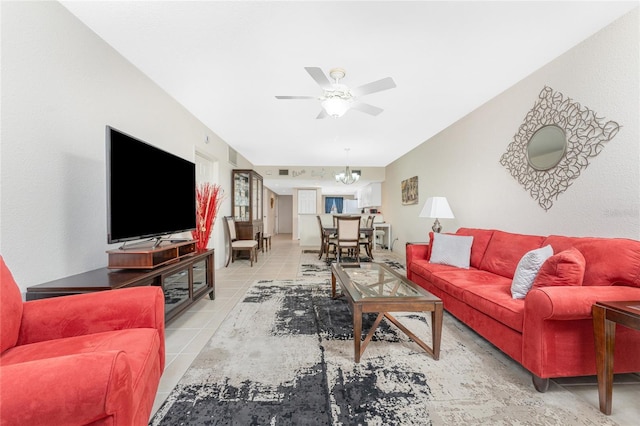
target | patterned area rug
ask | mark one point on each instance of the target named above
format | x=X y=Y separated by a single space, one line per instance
x=284 y=356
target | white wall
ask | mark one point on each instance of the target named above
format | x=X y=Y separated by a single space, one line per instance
x=285 y=214
x=462 y=162
x=61 y=85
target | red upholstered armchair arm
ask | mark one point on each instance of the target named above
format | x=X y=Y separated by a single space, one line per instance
x=76 y=389
x=572 y=302
x=415 y=251
x=67 y=316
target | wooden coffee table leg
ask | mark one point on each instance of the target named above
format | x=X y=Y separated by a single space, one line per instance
x=371 y=332
x=357 y=330
x=604 y=336
x=436 y=329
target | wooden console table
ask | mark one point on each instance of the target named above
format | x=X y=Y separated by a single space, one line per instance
x=183 y=282
x=605 y=317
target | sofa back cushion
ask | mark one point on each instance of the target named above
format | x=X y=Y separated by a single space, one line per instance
x=10 y=308
x=505 y=250
x=481 y=238
x=608 y=261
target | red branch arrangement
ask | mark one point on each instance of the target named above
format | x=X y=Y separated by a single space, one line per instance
x=208 y=199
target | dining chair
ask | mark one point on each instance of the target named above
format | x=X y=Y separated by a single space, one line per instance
x=366 y=238
x=236 y=245
x=326 y=240
x=348 y=230
x=379 y=236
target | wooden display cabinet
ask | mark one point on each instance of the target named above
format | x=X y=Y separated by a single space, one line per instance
x=247 y=205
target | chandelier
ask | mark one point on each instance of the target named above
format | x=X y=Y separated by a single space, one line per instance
x=347 y=177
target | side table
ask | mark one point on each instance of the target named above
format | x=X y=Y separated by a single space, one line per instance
x=605 y=317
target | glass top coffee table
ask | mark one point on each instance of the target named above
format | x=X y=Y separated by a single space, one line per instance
x=374 y=287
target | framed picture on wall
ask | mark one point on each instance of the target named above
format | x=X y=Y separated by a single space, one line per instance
x=409 y=188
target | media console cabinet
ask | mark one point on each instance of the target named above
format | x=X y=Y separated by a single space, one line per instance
x=184 y=281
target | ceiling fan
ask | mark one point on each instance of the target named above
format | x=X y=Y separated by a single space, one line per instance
x=336 y=98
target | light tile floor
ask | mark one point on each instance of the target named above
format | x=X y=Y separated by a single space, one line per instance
x=191 y=331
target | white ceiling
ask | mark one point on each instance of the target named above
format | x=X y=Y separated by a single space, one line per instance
x=225 y=61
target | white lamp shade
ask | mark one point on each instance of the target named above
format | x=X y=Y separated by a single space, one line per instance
x=438 y=208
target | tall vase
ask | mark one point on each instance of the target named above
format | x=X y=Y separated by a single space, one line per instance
x=208 y=199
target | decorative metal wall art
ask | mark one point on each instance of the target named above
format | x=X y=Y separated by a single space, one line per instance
x=585 y=134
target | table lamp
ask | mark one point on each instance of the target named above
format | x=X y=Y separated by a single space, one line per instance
x=436 y=207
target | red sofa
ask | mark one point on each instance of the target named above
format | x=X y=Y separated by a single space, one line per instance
x=84 y=359
x=550 y=331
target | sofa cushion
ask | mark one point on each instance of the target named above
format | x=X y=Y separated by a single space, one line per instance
x=426 y=269
x=608 y=261
x=564 y=268
x=10 y=308
x=505 y=251
x=481 y=238
x=456 y=281
x=454 y=250
x=527 y=270
x=496 y=302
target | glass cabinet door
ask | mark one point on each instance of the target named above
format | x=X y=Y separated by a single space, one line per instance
x=241 y=196
x=199 y=276
x=259 y=200
x=176 y=289
x=254 y=198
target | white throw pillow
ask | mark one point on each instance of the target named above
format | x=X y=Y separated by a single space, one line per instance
x=454 y=250
x=527 y=270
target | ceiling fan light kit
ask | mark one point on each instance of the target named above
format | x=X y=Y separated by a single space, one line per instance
x=337 y=98
x=336 y=106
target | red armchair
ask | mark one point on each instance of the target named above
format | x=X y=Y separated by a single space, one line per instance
x=85 y=359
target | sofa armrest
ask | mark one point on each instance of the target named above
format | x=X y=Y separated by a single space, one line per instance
x=74 y=389
x=558 y=327
x=68 y=316
x=572 y=302
x=415 y=251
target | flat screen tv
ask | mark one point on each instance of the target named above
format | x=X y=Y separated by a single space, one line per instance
x=150 y=192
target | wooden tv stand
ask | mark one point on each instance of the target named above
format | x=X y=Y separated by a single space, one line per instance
x=183 y=282
x=149 y=257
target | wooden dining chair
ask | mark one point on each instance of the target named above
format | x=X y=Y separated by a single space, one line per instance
x=327 y=241
x=236 y=245
x=348 y=230
x=366 y=238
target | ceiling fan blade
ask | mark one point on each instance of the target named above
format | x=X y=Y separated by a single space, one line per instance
x=373 y=87
x=369 y=109
x=322 y=114
x=295 y=97
x=319 y=76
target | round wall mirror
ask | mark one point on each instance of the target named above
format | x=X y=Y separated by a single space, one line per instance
x=546 y=147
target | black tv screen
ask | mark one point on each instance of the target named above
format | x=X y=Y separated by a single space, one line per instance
x=150 y=192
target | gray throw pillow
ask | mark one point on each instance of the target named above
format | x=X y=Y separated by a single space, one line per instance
x=527 y=270
x=454 y=250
